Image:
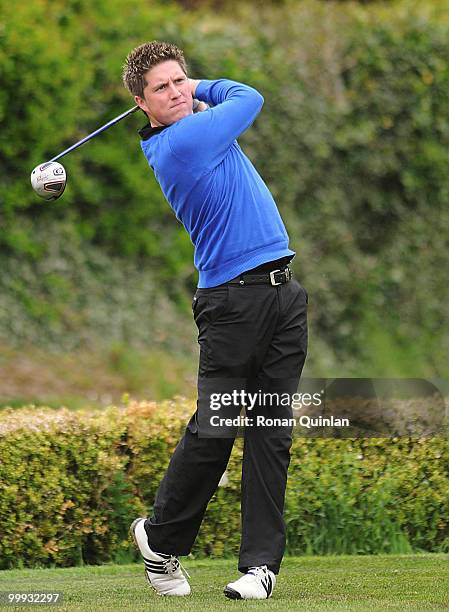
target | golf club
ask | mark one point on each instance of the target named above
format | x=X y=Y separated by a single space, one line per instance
x=100 y=129
x=49 y=179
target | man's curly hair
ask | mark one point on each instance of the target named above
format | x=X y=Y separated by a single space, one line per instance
x=144 y=57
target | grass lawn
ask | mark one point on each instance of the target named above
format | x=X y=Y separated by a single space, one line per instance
x=402 y=582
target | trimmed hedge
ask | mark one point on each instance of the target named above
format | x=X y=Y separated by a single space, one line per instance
x=72 y=482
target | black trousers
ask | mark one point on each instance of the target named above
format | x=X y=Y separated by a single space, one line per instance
x=252 y=338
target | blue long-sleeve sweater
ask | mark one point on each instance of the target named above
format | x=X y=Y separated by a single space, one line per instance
x=212 y=186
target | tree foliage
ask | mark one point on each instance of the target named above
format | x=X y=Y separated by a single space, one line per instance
x=352 y=141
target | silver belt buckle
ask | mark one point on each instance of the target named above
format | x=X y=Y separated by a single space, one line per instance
x=272 y=279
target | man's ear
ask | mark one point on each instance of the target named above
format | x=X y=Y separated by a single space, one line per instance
x=141 y=104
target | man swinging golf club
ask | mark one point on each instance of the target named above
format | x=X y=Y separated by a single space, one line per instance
x=250 y=315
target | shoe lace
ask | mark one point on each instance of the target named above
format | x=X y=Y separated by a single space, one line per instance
x=172 y=564
x=258 y=571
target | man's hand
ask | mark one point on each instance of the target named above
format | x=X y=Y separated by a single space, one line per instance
x=197 y=105
x=193 y=85
x=200 y=106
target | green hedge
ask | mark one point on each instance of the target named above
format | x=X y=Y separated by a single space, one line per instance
x=72 y=482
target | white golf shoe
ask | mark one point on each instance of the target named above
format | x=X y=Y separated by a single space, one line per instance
x=257 y=583
x=164 y=572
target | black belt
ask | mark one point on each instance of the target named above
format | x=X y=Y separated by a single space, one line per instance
x=276 y=277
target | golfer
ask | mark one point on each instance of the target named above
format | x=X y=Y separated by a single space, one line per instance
x=250 y=314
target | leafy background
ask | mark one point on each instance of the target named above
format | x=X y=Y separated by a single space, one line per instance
x=95 y=288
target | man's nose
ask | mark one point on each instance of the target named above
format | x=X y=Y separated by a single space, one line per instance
x=174 y=91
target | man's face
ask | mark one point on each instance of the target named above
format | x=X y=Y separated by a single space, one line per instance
x=167 y=95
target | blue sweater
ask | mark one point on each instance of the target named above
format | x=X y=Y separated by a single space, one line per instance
x=212 y=186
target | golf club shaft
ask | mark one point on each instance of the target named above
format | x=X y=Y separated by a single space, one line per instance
x=100 y=129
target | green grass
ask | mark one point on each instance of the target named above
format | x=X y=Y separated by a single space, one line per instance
x=383 y=582
x=83 y=379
